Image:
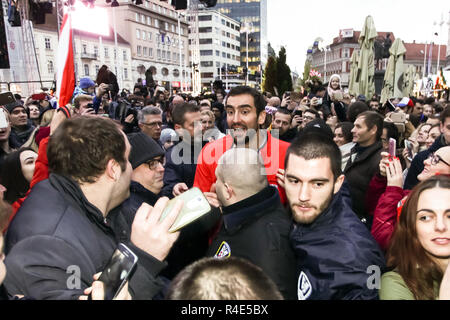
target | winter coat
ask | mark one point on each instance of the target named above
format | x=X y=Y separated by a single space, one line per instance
x=334 y=254
x=57 y=234
x=257 y=229
x=358 y=172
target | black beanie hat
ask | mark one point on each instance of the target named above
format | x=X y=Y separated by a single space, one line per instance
x=143 y=149
x=11 y=106
x=318 y=126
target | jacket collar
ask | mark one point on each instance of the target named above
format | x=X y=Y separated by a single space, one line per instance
x=137 y=188
x=367 y=152
x=235 y=215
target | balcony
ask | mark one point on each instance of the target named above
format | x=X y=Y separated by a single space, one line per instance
x=88 y=56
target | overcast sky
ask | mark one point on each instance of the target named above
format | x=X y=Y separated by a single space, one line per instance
x=297 y=23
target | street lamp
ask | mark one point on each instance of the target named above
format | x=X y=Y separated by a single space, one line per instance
x=327 y=48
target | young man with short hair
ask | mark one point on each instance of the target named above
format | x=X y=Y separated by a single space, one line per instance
x=334 y=249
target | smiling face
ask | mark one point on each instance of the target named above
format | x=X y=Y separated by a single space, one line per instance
x=433 y=222
x=27 y=162
x=242 y=117
x=433 y=134
x=432 y=167
x=423 y=134
x=310 y=187
x=19 y=117
x=335 y=83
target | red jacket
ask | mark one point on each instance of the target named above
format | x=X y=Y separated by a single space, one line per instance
x=385 y=216
x=273 y=154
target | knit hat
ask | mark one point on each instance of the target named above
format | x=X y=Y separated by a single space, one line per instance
x=11 y=106
x=143 y=149
x=167 y=135
x=86 y=83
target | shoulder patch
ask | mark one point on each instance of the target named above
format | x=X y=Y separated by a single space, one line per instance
x=304 y=287
x=224 y=251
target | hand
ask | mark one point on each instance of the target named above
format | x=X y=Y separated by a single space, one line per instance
x=394 y=173
x=179 y=188
x=286 y=101
x=129 y=118
x=102 y=89
x=314 y=101
x=151 y=235
x=58 y=118
x=88 y=112
x=97 y=291
x=280 y=177
x=296 y=121
x=383 y=163
x=212 y=198
x=444 y=291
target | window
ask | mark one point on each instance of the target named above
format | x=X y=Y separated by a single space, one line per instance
x=138 y=33
x=218 y=53
x=125 y=73
x=144 y=35
x=206 y=52
x=115 y=53
x=97 y=67
x=173 y=28
x=50 y=67
x=156 y=23
x=149 y=21
x=205 y=41
x=86 y=70
x=96 y=51
x=142 y=18
x=84 y=48
x=149 y=36
x=166 y=26
x=137 y=17
x=106 y=53
x=124 y=53
x=158 y=54
x=206 y=63
x=164 y=54
x=151 y=52
x=205 y=30
x=139 y=49
x=182 y=58
x=205 y=18
x=145 y=51
x=47 y=43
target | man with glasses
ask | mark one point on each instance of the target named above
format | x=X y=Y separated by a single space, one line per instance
x=308 y=116
x=150 y=122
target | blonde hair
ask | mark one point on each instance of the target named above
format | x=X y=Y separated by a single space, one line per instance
x=208 y=113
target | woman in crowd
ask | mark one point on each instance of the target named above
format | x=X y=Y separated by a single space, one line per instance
x=433 y=134
x=332 y=102
x=420 y=250
x=344 y=139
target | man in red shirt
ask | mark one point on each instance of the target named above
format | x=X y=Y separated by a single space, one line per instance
x=245 y=108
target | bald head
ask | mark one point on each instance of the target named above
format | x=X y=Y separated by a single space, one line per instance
x=233 y=166
x=177 y=100
x=274 y=102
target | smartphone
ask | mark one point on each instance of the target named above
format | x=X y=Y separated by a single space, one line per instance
x=117 y=271
x=409 y=147
x=3 y=122
x=195 y=205
x=6 y=98
x=319 y=101
x=392 y=147
x=389 y=105
x=287 y=94
x=298 y=113
x=39 y=96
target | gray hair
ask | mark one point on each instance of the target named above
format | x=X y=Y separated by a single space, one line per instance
x=149 y=110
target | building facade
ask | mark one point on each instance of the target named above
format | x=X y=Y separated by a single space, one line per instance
x=252 y=14
x=415 y=55
x=156 y=41
x=219 y=45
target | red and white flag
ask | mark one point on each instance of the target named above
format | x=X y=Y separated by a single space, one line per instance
x=65 y=66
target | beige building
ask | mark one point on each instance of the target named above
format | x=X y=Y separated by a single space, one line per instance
x=155 y=41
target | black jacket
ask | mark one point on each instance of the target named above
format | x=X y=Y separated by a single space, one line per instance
x=257 y=229
x=180 y=166
x=22 y=136
x=358 y=173
x=138 y=195
x=333 y=255
x=417 y=165
x=57 y=236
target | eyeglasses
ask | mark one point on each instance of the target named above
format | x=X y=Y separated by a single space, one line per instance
x=308 y=118
x=153 y=124
x=434 y=159
x=153 y=164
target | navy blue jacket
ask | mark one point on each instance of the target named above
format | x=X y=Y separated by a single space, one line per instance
x=417 y=165
x=333 y=255
x=138 y=195
x=176 y=172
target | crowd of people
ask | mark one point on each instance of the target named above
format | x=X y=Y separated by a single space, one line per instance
x=314 y=195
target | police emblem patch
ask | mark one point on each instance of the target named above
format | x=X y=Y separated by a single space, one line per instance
x=224 y=251
x=304 y=287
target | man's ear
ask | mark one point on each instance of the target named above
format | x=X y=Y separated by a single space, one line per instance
x=338 y=183
x=262 y=117
x=229 y=191
x=113 y=170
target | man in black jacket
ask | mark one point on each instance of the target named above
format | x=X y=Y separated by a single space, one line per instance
x=336 y=254
x=70 y=225
x=255 y=225
x=364 y=160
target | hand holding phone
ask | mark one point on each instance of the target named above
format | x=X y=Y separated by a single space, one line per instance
x=117 y=272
